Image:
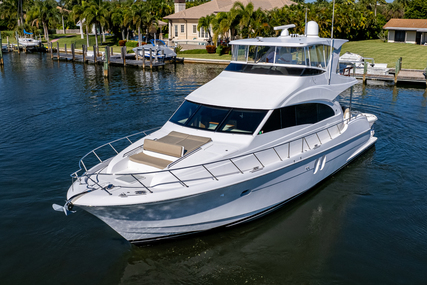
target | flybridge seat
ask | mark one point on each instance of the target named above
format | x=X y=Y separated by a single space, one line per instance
x=175 y=144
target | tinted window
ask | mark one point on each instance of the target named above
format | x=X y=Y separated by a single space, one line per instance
x=184 y=112
x=242 y=121
x=297 y=115
x=217 y=118
x=208 y=117
x=273 y=123
x=324 y=112
x=306 y=114
x=288 y=117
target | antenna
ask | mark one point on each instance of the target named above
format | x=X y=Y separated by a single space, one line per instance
x=305 y=26
x=332 y=42
x=284 y=29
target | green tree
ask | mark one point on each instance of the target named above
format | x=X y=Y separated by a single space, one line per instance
x=8 y=13
x=44 y=12
x=205 y=23
x=416 y=9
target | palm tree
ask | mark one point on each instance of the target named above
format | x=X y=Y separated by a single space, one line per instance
x=78 y=14
x=205 y=23
x=245 y=15
x=43 y=12
x=8 y=13
x=118 y=12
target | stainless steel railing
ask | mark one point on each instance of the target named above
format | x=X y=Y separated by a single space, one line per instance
x=209 y=168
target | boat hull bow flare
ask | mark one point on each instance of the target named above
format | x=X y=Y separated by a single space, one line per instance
x=230 y=158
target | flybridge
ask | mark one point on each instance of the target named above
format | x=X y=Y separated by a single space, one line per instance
x=307 y=50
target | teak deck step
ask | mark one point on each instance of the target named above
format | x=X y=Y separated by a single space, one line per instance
x=150 y=160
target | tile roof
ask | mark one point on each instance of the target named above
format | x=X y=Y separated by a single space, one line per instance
x=406 y=24
x=216 y=6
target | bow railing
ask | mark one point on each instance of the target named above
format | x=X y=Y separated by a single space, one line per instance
x=215 y=170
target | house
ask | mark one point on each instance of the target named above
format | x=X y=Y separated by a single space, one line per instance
x=413 y=31
x=183 y=24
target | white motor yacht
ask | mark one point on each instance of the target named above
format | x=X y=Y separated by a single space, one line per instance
x=264 y=131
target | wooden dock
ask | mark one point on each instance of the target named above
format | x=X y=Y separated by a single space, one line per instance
x=117 y=59
x=405 y=76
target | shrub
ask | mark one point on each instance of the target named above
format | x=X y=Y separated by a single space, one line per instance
x=223 y=49
x=122 y=43
x=210 y=48
x=178 y=49
x=131 y=44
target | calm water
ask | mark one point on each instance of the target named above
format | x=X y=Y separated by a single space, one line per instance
x=365 y=225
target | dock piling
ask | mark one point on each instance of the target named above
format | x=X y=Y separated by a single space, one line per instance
x=365 y=70
x=106 y=61
x=65 y=48
x=51 y=50
x=57 y=50
x=94 y=54
x=73 y=52
x=1 y=52
x=124 y=55
x=84 y=53
x=17 y=42
x=143 y=58
x=151 y=58
x=397 y=70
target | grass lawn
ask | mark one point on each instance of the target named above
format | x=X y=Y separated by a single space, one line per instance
x=413 y=56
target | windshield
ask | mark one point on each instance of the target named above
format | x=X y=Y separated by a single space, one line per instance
x=218 y=119
x=314 y=55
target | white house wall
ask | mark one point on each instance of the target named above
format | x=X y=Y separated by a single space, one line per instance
x=391 y=36
x=186 y=30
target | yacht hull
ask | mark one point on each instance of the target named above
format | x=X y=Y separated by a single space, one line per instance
x=232 y=204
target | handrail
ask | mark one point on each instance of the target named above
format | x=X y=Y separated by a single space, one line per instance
x=81 y=163
x=204 y=165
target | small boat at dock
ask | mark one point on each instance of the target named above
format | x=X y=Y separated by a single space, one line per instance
x=158 y=49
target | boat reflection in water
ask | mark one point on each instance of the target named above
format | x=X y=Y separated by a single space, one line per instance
x=264 y=131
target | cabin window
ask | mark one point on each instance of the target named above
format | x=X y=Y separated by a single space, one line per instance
x=185 y=112
x=207 y=117
x=291 y=55
x=239 y=53
x=243 y=121
x=265 y=54
x=220 y=119
x=319 y=55
x=302 y=114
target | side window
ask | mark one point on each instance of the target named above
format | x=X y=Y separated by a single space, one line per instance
x=273 y=123
x=288 y=117
x=306 y=114
x=324 y=112
x=291 y=116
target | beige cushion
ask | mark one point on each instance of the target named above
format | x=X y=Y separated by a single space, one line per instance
x=150 y=160
x=189 y=142
x=164 y=148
